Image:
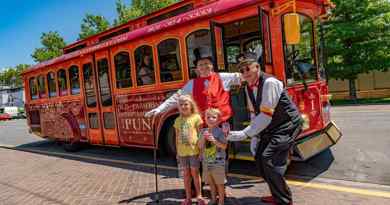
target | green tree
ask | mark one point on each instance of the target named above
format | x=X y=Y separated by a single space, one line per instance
x=138 y=8
x=52 y=44
x=358 y=39
x=93 y=24
x=11 y=76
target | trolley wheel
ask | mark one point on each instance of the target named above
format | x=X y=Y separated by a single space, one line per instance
x=71 y=147
x=170 y=139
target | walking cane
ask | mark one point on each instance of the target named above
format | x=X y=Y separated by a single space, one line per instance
x=156 y=197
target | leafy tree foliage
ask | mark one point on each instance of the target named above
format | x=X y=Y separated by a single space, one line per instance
x=138 y=8
x=11 y=76
x=52 y=44
x=358 y=39
x=93 y=24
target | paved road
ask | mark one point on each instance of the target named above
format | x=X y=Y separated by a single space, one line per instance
x=37 y=171
x=362 y=155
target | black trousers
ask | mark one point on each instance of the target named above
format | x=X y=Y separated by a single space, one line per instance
x=271 y=159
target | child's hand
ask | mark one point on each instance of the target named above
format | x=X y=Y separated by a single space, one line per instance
x=211 y=139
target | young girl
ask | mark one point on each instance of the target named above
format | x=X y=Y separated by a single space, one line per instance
x=213 y=145
x=187 y=127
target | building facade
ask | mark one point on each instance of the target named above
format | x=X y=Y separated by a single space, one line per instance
x=11 y=96
x=375 y=84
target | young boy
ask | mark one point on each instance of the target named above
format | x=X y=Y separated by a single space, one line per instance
x=213 y=145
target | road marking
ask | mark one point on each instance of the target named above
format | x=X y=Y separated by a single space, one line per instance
x=315 y=185
x=331 y=187
x=361 y=111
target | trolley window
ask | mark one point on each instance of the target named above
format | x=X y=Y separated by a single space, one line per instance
x=33 y=88
x=198 y=45
x=41 y=87
x=145 y=66
x=93 y=120
x=123 y=70
x=62 y=85
x=300 y=63
x=51 y=83
x=169 y=60
x=89 y=86
x=104 y=82
x=74 y=80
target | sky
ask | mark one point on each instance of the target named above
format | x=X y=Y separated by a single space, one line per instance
x=23 y=21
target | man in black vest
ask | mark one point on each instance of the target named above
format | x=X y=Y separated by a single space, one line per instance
x=275 y=122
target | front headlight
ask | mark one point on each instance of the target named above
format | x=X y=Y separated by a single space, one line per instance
x=306 y=122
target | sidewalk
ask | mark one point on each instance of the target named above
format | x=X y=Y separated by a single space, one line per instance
x=28 y=178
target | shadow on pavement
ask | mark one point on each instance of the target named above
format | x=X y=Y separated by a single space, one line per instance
x=166 y=197
x=142 y=160
x=175 y=196
x=312 y=168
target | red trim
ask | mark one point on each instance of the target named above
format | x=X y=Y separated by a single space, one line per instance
x=212 y=9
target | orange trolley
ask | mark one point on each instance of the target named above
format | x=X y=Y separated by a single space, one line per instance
x=99 y=90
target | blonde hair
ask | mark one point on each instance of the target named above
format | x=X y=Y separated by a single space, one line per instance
x=188 y=98
x=213 y=111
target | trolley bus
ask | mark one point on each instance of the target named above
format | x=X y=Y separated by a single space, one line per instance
x=98 y=91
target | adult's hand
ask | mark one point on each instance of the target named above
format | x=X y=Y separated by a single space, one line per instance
x=236 y=136
x=153 y=112
x=254 y=142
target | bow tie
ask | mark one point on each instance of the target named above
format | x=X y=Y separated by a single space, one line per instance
x=253 y=86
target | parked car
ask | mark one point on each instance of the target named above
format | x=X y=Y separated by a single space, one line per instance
x=14 y=112
x=3 y=115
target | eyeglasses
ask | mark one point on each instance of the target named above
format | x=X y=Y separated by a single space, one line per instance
x=245 y=69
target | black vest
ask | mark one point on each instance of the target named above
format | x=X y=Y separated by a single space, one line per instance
x=284 y=113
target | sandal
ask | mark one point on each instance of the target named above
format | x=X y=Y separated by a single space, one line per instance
x=201 y=201
x=186 y=202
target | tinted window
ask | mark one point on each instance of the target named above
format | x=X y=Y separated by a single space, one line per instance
x=198 y=45
x=41 y=86
x=300 y=57
x=320 y=42
x=232 y=51
x=33 y=88
x=51 y=83
x=89 y=86
x=93 y=120
x=62 y=86
x=109 y=120
x=169 y=60
x=104 y=82
x=145 y=67
x=123 y=71
x=74 y=80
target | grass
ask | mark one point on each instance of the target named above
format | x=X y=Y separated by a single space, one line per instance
x=363 y=101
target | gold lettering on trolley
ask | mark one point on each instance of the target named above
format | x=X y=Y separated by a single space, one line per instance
x=138 y=124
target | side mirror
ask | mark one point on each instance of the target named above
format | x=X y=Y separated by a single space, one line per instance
x=292 y=28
